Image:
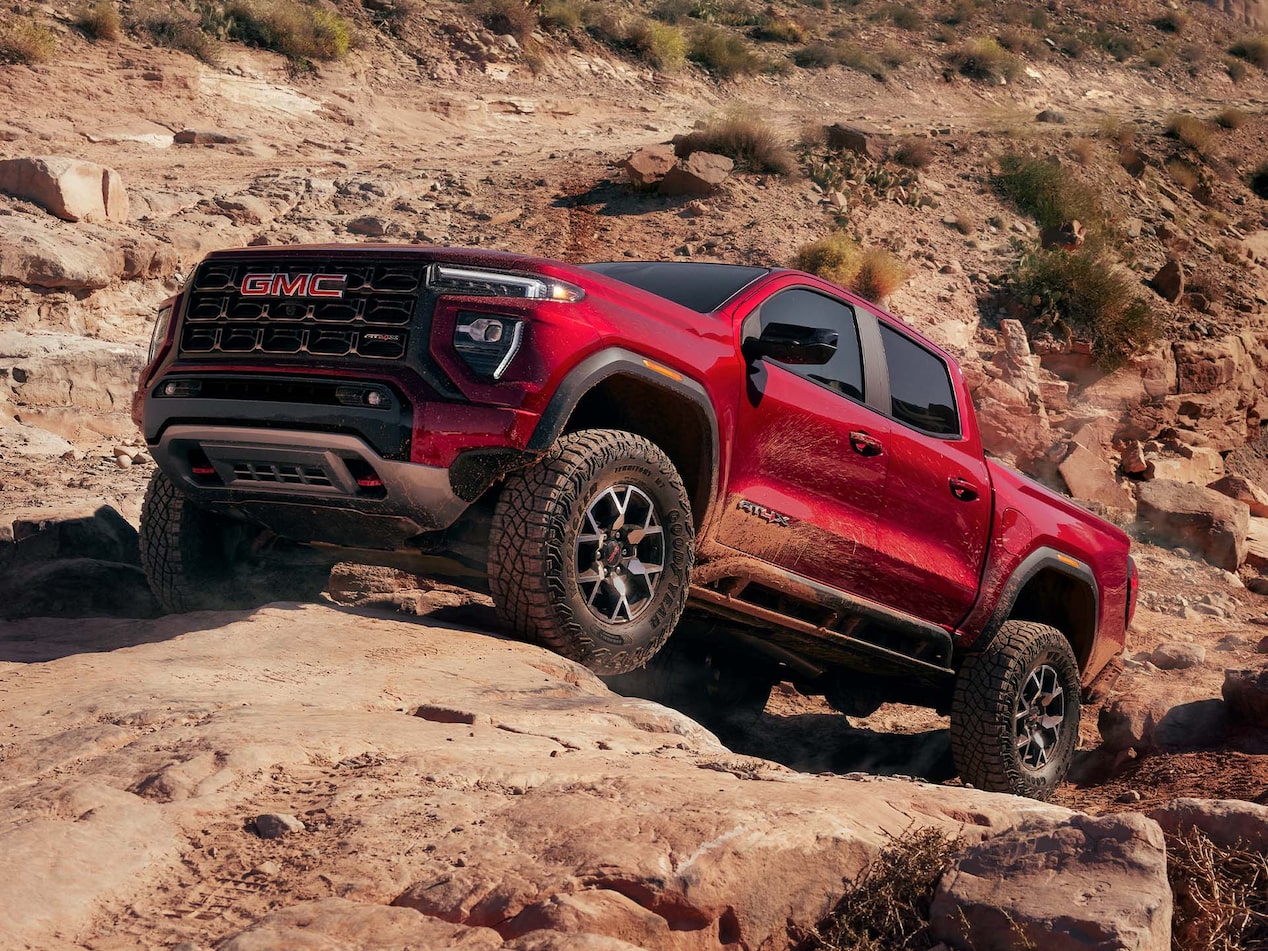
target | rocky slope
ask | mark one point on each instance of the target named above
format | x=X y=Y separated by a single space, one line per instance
x=146 y=750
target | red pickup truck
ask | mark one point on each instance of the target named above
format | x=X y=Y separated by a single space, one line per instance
x=605 y=446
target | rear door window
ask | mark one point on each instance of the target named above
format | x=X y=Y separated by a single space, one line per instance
x=921 y=393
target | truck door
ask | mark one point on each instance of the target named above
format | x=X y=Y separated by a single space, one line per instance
x=935 y=518
x=808 y=464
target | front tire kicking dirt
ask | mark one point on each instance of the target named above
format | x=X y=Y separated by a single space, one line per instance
x=1015 y=714
x=196 y=560
x=591 y=549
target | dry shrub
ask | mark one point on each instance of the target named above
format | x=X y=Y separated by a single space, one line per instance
x=1231 y=118
x=880 y=274
x=1196 y=133
x=913 y=152
x=507 y=17
x=887 y=907
x=1173 y=21
x=747 y=139
x=1159 y=56
x=1253 y=49
x=779 y=29
x=176 y=30
x=101 y=21
x=984 y=58
x=1236 y=69
x=821 y=55
x=1017 y=40
x=658 y=44
x=1184 y=173
x=723 y=53
x=1083 y=150
x=1221 y=895
x=24 y=41
x=560 y=15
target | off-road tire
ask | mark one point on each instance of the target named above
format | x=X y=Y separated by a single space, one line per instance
x=196 y=560
x=990 y=739
x=533 y=549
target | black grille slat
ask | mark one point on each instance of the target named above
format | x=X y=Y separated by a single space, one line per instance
x=281 y=473
x=372 y=321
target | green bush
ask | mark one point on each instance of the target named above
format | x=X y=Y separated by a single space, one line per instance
x=1253 y=49
x=723 y=53
x=25 y=42
x=296 y=30
x=836 y=257
x=841 y=53
x=1083 y=294
x=1049 y=193
x=101 y=21
x=749 y=141
x=560 y=15
x=659 y=44
x=984 y=58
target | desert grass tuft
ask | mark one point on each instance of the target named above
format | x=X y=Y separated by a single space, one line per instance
x=507 y=17
x=1253 y=49
x=296 y=30
x=880 y=274
x=1231 y=118
x=1221 y=894
x=723 y=53
x=1196 y=133
x=23 y=41
x=984 y=58
x=746 y=138
x=100 y=21
x=913 y=152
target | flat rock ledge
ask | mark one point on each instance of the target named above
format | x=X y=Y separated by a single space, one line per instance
x=452 y=786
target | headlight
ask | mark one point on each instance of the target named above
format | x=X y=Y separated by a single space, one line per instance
x=159 y=333
x=480 y=283
x=487 y=343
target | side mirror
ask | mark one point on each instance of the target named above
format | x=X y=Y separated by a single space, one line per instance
x=788 y=343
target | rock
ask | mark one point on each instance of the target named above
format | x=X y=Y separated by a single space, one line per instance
x=1132 y=160
x=1262 y=646
x=1090 y=882
x=649 y=165
x=1241 y=488
x=1199 y=465
x=1246 y=693
x=81 y=531
x=858 y=139
x=1169 y=281
x=1067 y=237
x=701 y=173
x=1132 y=461
x=336 y=923
x=1130 y=723
x=1195 y=517
x=274 y=825
x=370 y=225
x=1091 y=478
x=1257 y=546
x=1051 y=115
x=75 y=588
x=50 y=254
x=1229 y=823
x=30 y=441
x=196 y=137
x=71 y=189
x=1185 y=717
x=1175 y=655
x=1253 y=13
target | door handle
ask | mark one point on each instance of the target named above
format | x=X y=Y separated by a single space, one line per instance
x=864 y=444
x=963 y=489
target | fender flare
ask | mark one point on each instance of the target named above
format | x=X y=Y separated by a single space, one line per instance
x=1041 y=559
x=617 y=361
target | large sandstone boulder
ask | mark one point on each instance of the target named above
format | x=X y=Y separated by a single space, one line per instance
x=71 y=189
x=700 y=173
x=56 y=256
x=649 y=165
x=1243 y=490
x=1229 y=823
x=1197 y=518
x=1246 y=693
x=1086 y=883
x=1200 y=465
x=1253 y=13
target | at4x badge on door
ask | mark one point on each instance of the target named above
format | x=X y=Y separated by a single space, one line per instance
x=765 y=514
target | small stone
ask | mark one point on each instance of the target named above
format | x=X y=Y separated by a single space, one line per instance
x=1051 y=115
x=273 y=825
x=1262 y=646
x=369 y=225
x=1177 y=656
x=123 y=462
x=1130 y=796
x=266 y=870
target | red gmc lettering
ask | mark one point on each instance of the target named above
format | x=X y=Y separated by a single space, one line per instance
x=294 y=285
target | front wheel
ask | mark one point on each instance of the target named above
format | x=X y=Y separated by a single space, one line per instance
x=1015 y=714
x=591 y=549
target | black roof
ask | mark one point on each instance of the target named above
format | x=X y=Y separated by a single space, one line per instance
x=703 y=287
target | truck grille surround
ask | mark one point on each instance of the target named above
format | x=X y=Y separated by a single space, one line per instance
x=371 y=318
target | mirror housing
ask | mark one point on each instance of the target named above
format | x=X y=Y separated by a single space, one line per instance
x=788 y=343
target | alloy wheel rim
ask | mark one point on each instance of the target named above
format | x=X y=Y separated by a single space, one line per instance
x=620 y=554
x=1039 y=717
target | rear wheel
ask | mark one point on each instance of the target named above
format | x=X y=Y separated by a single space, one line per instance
x=1015 y=714
x=196 y=560
x=591 y=548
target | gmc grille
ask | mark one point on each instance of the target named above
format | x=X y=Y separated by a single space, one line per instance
x=372 y=321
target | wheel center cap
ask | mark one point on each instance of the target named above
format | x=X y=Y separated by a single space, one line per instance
x=611 y=556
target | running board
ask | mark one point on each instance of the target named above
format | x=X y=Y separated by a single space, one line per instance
x=825 y=643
